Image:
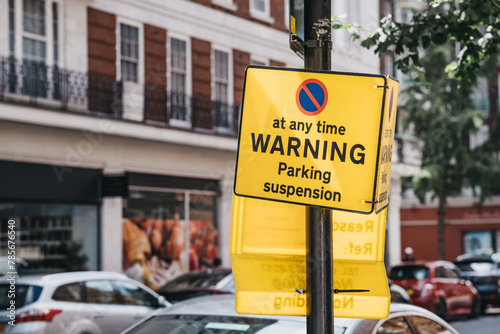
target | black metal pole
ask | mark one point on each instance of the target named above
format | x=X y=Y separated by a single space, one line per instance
x=319 y=238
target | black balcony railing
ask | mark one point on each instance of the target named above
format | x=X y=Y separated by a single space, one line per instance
x=36 y=84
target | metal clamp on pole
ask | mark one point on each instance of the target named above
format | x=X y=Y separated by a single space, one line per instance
x=319 y=43
x=349 y=291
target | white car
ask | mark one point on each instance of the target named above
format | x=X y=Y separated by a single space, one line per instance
x=88 y=302
x=216 y=314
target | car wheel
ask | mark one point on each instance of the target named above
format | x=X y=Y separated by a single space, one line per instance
x=441 y=309
x=475 y=308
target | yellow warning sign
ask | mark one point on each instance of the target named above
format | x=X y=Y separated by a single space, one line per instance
x=316 y=138
x=268 y=252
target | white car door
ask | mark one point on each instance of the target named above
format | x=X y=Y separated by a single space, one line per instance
x=137 y=303
x=102 y=297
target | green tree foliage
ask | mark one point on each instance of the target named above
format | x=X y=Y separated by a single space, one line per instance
x=442 y=117
x=438 y=98
x=473 y=24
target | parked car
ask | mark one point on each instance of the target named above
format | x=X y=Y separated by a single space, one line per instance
x=484 y=272
x=21 y=266
x=199 y=283
x=438 y=286
x=89 y=302
x=398 y=294
x=216 y=314
x=220 y=281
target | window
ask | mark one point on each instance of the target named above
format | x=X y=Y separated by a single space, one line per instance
x=478 y=242
x=100 y=292
x=222 y=93
x=287 y=14
x=135 y=295
x=388 y=8
x=259 y=61
x=260 y=6
x=221 y=77
x=260 y=9
x=228 y=4
x=69 y=293
x=33 y=37
x=480 y=96
x=405 y=16
x=129 y=52
x=409 y=272
x=52 y=237
x=440 y=272
x=179 y=80
x=193 y=323
x=349 y=12
x=24 y=295
x=388 y=65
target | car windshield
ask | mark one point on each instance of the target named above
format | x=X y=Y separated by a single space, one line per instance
x=480 y=267
x=194 y=324
x=409 y=272
x=24 y=294
x=201 y=280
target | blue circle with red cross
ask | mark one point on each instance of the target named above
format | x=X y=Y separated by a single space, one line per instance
x=311 y=97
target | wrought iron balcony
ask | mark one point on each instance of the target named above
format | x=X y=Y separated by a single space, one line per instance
x=36 y=84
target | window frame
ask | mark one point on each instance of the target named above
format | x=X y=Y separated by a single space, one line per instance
x=264 y=15
x=48 y=38
x=230 y=79
x=34 y=74
x=140 y=49
x=228 y=4
x=349 y=11
x=230 y=84
x=188 y=76
x=261 y=60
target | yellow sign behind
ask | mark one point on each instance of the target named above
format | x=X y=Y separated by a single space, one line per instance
x=268 y=247
x=386 y=145
x=314 y=138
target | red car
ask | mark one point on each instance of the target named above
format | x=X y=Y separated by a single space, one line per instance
x=438 y=286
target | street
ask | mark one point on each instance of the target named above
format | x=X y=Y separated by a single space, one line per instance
x=486 y=324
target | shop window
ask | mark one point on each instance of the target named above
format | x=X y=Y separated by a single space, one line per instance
x=203 y=234
x=167 y=233
x=478 y=242
x=52 y=237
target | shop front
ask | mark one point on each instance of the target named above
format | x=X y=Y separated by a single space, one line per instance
x=169 y=227
x=54 y=213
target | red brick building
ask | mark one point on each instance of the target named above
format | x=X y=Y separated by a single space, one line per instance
x=467 y=230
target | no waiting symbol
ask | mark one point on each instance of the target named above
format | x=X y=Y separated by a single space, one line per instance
x=311 y=97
